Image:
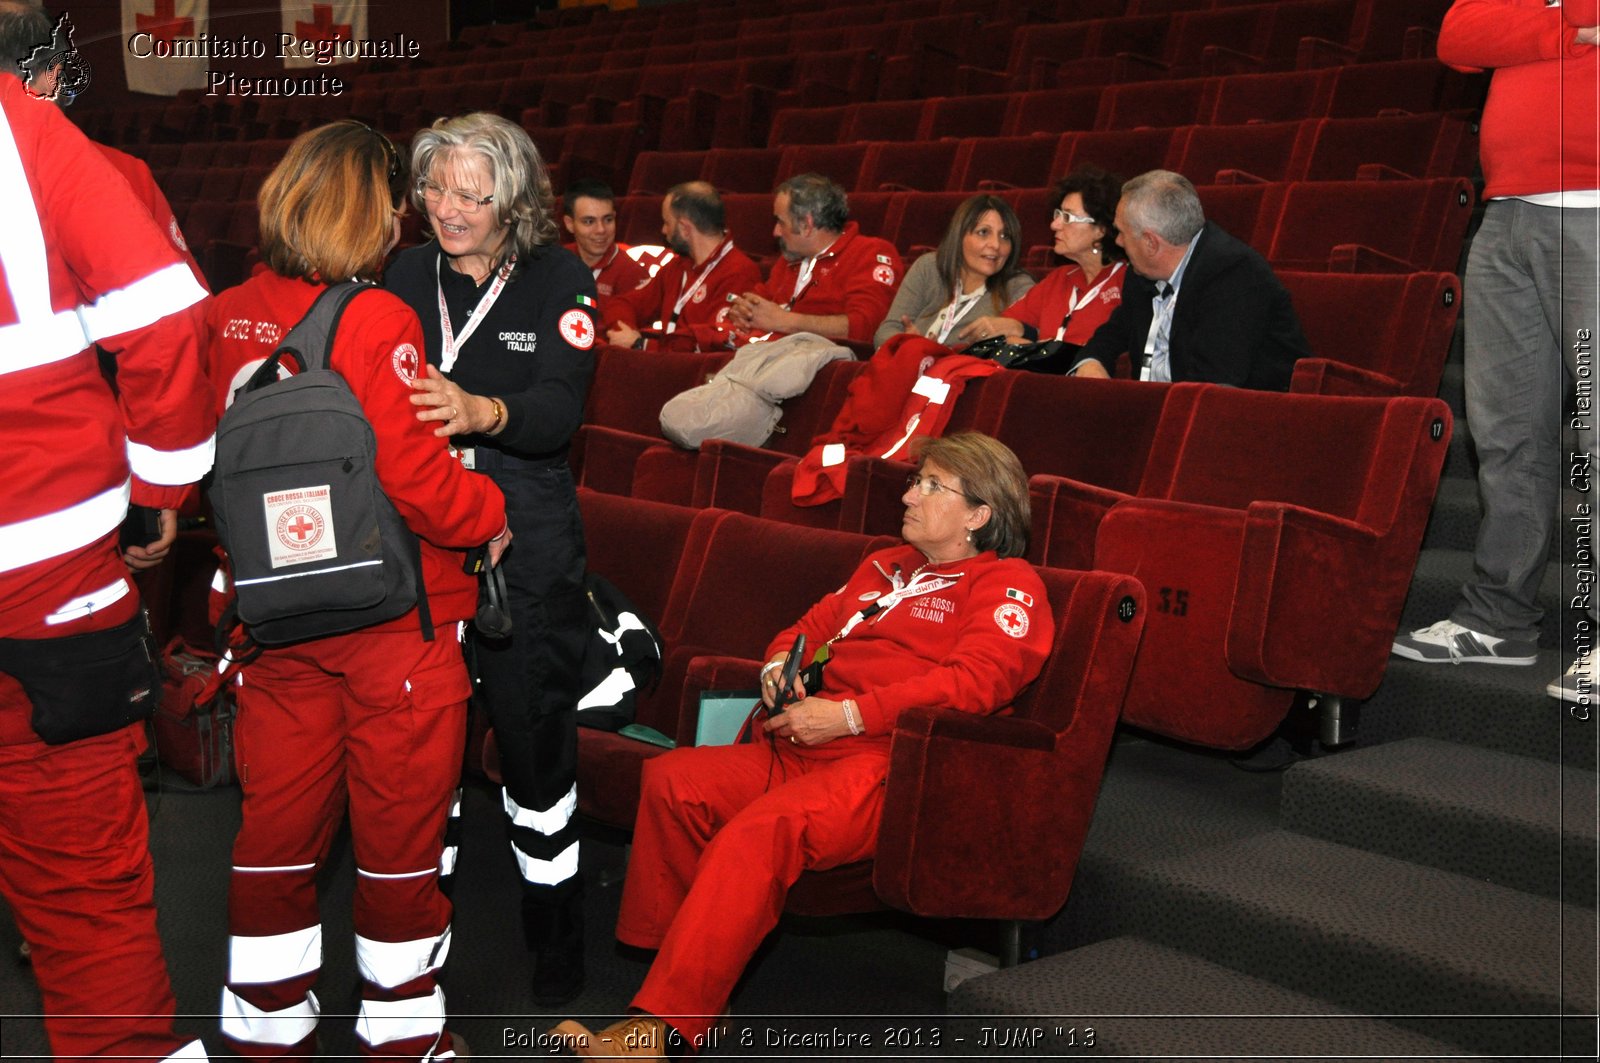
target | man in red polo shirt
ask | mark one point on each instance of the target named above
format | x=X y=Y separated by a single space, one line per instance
x=695 y=287
x=589 y=211
x=831 y=280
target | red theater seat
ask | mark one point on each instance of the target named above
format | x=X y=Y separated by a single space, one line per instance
x=656 y=171
x=1157 y=104
x=1053 y=110
x=918 y=165
x=1366 y=226
x=714 y=609
x=1233 y=154
x=986 y=163
x=953 y=844
x=624 y=411
x=841 y=162
x=1123 y=151
x=886 y=120
x=1276 y=536
x=1406 y=320
x=1388 y=147
x=743 y=169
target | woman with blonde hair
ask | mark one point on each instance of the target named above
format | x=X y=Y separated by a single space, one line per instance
x=372 y=721
x=509 y=320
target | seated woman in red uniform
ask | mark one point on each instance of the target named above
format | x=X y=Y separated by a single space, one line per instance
x=373 y=721
x=975 y=271
x=1077 y=298
x=947 y=620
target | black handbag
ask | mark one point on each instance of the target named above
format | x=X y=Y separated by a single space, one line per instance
x=1046 y=356
x=87 y=685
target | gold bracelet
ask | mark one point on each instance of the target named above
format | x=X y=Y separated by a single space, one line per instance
x=499 y=416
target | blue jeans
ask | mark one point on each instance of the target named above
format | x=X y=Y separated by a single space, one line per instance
x=1531 y=329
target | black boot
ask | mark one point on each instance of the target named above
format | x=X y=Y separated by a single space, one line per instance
x=553 y=924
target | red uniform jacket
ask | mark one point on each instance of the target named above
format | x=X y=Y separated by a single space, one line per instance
x=616 y=275
x=732 y=274
x=967 y=635
x=856 y=276
x=1047 y=302
x=84 y=263
x=378 y=350
x=1541 y=124
x=909 y=389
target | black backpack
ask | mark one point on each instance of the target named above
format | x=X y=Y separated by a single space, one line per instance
x=316 y=547
x=623 y=657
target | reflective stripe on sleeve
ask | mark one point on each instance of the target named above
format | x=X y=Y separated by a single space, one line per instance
x=394 y=963
x=547 y=821
x=144 y=302
x=547 y=872
x=262 y=960
x=243 y=1021
x=65 y=530
x=381 y=1021
x=172 y=467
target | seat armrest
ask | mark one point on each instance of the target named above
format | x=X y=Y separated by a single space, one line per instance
x=1324 y=376
x=951 y=805
x=1314 y=52
x=1382 y=171
x=1066 y=518
x=1359 y=258
x=731 y=475
x=609 y=455
x=711 y=672
x=1307 y=578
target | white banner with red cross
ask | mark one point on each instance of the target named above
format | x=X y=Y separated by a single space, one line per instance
x=317 y=27
x=162 y=53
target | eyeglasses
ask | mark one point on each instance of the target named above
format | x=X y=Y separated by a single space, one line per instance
x=465 y=202
x=1067 y=216
x=930 y=485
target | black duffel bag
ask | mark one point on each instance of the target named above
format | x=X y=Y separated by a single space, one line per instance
x=87 y=685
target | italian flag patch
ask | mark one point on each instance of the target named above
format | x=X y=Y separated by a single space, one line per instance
x=1018 y=596
x=584 y=300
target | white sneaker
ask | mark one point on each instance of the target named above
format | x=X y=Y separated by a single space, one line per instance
x=1577 y=685
x=1447 y=642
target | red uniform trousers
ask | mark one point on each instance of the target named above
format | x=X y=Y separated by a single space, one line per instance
x=75 y=869
x=374 y=721
x=75 y=844
x=722 y=833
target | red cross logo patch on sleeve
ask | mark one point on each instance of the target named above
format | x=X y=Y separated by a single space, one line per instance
x=577 y=329
x=883 y=275
x=406 y=363
x=1013 y=620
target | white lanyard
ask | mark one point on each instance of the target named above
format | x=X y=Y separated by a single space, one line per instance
x=447 y=358
x=803 y=280
x=1076 y=303
x=921 y=583
x=940 y=329
x=686 y=290
x=601 y=268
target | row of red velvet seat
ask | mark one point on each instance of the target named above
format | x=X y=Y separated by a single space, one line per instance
x=1311 y=149
x=1343 y=486
x=1362 y=225
x=1365 y=226
x=944 y=839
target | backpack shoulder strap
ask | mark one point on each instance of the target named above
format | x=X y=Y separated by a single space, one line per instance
x=311 y=341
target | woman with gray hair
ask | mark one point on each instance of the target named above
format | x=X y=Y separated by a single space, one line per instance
x=509 y=321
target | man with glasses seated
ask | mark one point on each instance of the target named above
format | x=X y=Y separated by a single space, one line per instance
x=1201 y=305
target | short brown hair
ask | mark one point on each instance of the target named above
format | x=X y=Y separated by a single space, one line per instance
x=990 y=474
x=328 y=209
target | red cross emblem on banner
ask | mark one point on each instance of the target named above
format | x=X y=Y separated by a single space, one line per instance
x=164 y=24
x=322 y=27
